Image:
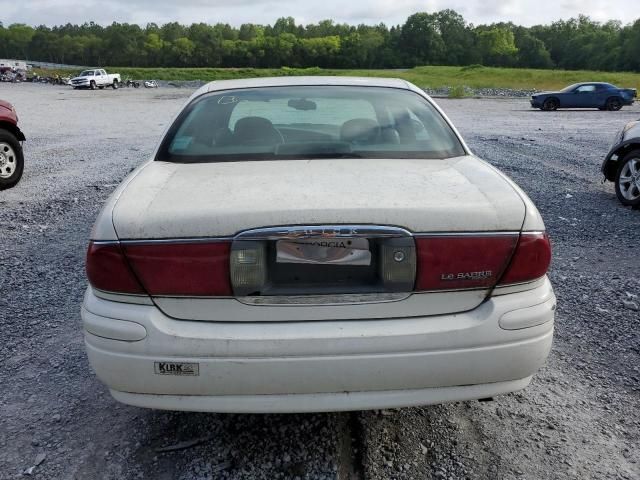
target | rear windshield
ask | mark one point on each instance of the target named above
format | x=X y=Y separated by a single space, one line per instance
x=309 y=122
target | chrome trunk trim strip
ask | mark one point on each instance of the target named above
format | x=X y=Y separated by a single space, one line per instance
x=314 y=231
x=305 y=231
x=324 y=300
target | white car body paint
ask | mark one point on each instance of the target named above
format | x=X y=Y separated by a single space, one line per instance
x=459 y=194
x=423 y=348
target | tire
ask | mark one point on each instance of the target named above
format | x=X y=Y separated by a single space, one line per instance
x=92 y=85
x=101 y=87
x=115 y=84
x=550 y=104
x=613 y=104
x=628 y=179
x=11 y=160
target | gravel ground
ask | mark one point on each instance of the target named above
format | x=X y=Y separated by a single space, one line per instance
x=482 y=92
x=580 y=417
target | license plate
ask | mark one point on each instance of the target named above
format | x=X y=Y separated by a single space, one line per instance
x=324 y=251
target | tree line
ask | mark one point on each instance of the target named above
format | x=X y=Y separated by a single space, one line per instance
x=440 y=38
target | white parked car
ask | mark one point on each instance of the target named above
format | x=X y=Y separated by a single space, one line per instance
x=96 y=78
x=315 y=244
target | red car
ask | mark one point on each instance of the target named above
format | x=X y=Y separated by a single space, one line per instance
x=11 y=156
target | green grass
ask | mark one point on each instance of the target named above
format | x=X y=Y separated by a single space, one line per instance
x=473 y=76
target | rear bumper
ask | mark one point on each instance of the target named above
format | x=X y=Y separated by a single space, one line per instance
x=319 y=402
x=320 y=366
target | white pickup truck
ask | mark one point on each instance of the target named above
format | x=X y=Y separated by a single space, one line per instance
x=96 y=78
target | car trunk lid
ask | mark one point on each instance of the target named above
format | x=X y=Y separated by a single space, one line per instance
x=417 y=199
x=169 y=200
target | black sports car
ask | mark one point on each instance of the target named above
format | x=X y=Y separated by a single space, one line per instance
x=585 y=95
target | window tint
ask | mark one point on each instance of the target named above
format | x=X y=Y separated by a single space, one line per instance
x=328 y=111
x=309 y=122
x=586 y=89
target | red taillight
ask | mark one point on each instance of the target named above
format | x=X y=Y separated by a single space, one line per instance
x=185 y=269
x=182 y=269
x=466 y=261
x=108 y=270
x=202 y=269
x=482 y=261
x=531 y=259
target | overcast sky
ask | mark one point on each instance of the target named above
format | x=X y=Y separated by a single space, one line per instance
x=236 y=12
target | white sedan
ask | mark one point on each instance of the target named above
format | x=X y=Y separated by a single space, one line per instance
x=315 y=244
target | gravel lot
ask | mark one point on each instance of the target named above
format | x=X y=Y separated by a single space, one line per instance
x=580 y=418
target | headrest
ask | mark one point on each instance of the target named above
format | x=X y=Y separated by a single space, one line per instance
x=256 y=131
x=359 y=130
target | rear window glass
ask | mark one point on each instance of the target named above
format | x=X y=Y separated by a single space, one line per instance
x=328 y=111
x=309 y=122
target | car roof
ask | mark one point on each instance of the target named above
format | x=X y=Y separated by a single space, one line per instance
x=593 y=83
x=292 y=81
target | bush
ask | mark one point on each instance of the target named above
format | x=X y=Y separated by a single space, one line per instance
x=457 y=91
